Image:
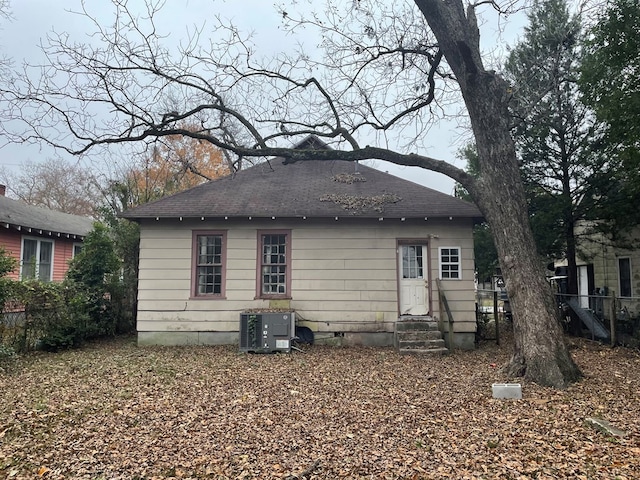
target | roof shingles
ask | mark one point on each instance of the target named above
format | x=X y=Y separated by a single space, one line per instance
x=13 y=212
x=311 y=188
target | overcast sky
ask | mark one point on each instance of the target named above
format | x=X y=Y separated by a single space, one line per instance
x=33 y=19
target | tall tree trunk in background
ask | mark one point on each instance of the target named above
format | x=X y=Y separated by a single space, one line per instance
x=540 y=352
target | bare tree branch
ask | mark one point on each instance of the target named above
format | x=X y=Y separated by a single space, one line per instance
x=383 y=70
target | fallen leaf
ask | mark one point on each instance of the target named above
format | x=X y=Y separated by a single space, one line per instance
x=43 y=471
x=357 y=412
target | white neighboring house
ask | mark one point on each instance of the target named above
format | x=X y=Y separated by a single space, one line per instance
x=347 y=247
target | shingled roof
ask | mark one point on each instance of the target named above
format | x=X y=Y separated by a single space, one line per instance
x=307 y=188
x=15 y=214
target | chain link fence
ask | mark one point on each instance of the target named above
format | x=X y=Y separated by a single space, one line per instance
x=22 y=328
x=606 y=318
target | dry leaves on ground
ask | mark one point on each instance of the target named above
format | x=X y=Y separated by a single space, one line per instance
x=113 y=410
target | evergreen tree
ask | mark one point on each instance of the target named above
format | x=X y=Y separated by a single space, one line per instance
x=610 y=73
x=610 y=83
x=96 y=271
x=555 y=132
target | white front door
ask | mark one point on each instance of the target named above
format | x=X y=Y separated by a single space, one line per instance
x=414 y=288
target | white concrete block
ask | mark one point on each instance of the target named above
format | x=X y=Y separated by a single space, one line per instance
x=507 y=390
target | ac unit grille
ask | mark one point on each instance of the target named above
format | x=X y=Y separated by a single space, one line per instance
x=266 y=332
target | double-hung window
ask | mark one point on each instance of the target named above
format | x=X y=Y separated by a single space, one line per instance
x=209 y=264
x=274 y=264
x=450 y=267
x=37 y=259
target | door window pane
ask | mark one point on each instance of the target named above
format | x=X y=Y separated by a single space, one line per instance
x=412 y=261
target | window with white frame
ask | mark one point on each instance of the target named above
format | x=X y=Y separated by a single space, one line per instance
x=450 y=267
x=77 y=248
x=624 y=276
x=37 y=259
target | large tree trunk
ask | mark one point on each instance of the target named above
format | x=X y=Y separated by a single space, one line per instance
x=541 y=354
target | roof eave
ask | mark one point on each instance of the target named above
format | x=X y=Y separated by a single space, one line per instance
x=139 y=218
x=42 y=231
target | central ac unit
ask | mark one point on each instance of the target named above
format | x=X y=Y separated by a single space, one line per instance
x=266 y=332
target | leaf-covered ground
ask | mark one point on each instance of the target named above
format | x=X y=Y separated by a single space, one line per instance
x=113 y=410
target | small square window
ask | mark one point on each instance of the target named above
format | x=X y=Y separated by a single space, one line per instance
x=450 y=263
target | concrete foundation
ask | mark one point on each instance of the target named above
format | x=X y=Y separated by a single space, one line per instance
x=462 y=340
x=187 y=338
x=369 y=339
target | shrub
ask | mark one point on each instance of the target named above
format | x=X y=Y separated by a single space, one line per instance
x=54 y=316
x=7 y=356
x=88 y=304
x=96 y=272
x=45 y=313
x=7 y=263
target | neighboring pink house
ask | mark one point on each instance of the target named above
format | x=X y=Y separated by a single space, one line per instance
x=43 y=241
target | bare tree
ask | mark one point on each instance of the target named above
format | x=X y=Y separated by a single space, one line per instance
x=386 y=72
x=55 y=184
x=5 y=14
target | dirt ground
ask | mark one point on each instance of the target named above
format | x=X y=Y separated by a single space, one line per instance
x=113 y=410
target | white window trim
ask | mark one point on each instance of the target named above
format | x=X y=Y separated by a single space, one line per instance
x=459 y=263
x=39 y=240
x=73 y=248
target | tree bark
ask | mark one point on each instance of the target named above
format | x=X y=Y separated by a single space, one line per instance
x=540 y=354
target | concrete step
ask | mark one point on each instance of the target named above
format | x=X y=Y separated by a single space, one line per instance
x=422 y=335
x=419 y=336
x=424 y=344
x=423 y=351
x=416 y=326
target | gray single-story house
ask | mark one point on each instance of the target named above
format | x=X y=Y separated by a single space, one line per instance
x=348 y=248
